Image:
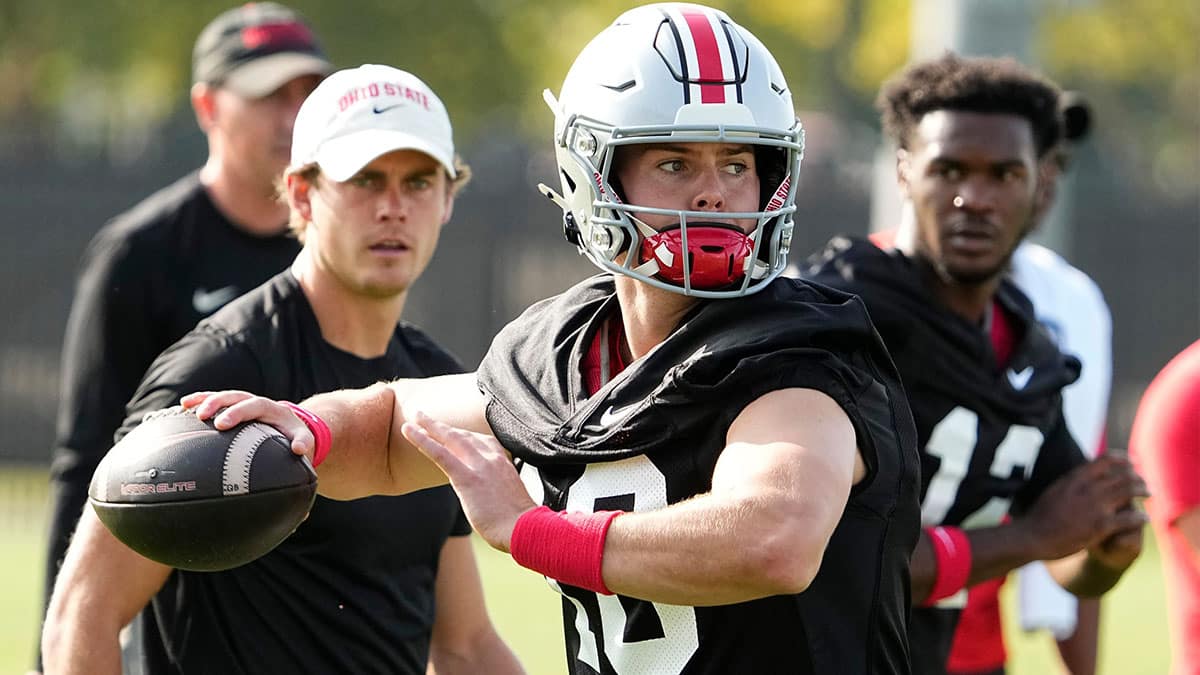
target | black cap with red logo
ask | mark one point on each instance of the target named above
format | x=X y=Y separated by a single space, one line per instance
x=256 y=48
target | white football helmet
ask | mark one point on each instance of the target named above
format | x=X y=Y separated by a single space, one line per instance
x=672 y=73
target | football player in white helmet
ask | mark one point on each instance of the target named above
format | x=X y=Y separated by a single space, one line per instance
x=716 y=467
x=696 y=78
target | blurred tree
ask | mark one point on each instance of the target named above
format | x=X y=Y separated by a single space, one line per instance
x=1138 y=61
x=99 y=73
x=103 y=69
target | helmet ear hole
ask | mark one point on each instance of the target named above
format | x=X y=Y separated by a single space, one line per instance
x=619 y=154
x=619 y=190
x=771 y=163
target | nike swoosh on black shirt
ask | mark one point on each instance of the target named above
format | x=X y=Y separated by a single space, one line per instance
x=207 y=302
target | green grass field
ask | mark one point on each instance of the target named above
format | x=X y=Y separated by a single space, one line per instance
x=526 y=610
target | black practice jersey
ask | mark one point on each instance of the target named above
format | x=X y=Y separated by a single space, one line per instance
x=652 y=436
x=992 y=436
x=147 y=278
x=352 y=590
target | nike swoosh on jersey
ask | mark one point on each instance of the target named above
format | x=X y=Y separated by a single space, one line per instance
x=1019 y=380
x=609 y=417
x=207 y=302
x=379 y=111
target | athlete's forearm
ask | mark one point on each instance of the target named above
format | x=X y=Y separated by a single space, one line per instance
x=81 y=650
x=488 y=654
x=101 y=587
x=463 y=638
x=369 y=455
x=1078 y=652
x=360 y=423
x=995 y=551
x=1084 y=575
x=713 y=550
x=779 y=489
x=763 y=528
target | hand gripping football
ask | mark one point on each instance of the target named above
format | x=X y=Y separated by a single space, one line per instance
x=182 y=493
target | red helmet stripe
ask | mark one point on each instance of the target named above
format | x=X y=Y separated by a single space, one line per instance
x=708 y=57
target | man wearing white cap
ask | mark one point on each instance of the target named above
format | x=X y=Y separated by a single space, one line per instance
x=386 y=584
x=154 y=271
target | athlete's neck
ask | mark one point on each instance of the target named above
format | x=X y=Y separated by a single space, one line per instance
x=248 y=203
x=649 y=314
x=970 y=301
x=353 y=322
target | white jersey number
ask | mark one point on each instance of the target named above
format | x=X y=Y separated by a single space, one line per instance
x=953 y=442
x=635 y=479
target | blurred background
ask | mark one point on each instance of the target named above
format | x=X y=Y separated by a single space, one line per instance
x=94 y=116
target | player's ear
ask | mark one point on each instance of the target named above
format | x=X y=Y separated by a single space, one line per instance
x=903 y=167
x=1047 y=186
x=299 y=193
x=204 y=105
x=450 y=194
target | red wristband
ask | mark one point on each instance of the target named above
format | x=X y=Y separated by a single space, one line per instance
x=952 y=550
x=320 y=431
x=565 y=546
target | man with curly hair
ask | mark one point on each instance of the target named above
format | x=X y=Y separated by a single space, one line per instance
x=983 y=378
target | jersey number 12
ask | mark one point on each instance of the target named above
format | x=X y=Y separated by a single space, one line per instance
x=953 y=441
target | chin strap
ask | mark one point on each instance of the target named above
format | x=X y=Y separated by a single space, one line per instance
x=549 y=193
x=570 y=227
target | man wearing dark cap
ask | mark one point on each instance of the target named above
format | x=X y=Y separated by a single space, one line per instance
x=256 y=48
x=154 y=271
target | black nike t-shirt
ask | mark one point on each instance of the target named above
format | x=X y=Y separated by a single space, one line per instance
x=991 y=433
x=352 y=590
x=651 y=437
x=147 y=278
